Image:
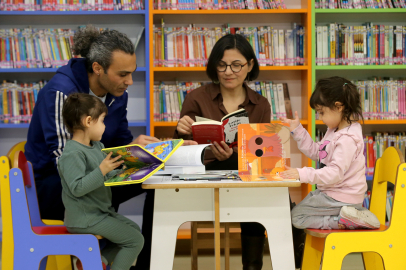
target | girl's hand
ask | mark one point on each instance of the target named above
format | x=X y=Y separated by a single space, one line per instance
x=185 y=125
x=292 y=123
x=221 y=152
x=290 y=173
x=109 y=164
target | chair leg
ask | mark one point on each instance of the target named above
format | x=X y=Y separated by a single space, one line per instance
x=312 y=253
x=63 y=262
x=227 y=245
x=193 y=244
x=372 y=261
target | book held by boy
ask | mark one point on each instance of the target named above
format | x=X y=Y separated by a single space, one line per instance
x=263 y=151
x=143 y=162
x=208 y=131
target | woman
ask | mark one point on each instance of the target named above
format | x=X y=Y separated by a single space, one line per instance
x=231 y=63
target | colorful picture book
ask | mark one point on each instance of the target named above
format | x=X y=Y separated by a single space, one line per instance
x=191 y=46
x=141 y=162
x=208 y=131
x=263 y=151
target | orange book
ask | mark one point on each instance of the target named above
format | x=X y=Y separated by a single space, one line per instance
x=263 y=151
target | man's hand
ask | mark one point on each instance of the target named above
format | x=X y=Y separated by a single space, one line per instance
x=143 y=140
x=292 y=123
x=109 y=164
x=189 y=142
x=185 y=125
x=221 y=152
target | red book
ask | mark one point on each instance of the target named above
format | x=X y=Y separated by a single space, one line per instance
x=208 y=131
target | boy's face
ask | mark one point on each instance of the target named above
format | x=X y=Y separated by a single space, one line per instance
x=119 y=74
x=96 y=128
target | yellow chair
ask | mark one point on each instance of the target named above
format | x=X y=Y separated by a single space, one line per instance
x=53 y=262
x=383 y=248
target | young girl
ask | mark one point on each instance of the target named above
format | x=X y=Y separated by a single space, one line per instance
x=83 y=168
x=341 y=181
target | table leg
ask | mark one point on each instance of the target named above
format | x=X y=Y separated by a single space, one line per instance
x=268 y=206
x=171 y=209
x=217 y=228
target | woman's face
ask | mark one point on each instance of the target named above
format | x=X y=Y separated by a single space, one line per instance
x=230 y=79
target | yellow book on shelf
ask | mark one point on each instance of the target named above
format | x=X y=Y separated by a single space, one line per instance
x=141 y=162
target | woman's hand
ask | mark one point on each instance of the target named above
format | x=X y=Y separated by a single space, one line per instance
x=290 y=173
x=292 y=123
x=109 y=164
x=221 y=152
x=185 y=125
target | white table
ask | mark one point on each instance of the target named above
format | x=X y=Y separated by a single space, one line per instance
x=177 y=202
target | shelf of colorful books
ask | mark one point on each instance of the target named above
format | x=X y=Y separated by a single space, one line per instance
x=99 y=12
x=359 y=11
x=45 y=70
x=231 y=11
x=375 y=122
x=364 y=67
x=266 y=68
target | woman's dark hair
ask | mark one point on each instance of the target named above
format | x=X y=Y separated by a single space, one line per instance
x=229 y=42
x=98 y=46
x=328 y=91
x=79 y=105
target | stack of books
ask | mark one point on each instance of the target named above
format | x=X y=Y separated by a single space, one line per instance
x=369 y=44
x=359 y=4
x=218 y=5
x=191 y=46
x=17 y=101
x=70 y=5
x=382 y=99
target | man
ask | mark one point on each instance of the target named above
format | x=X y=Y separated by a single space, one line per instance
x=104 y=71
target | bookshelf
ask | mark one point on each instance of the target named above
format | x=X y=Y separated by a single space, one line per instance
x=128 y=22
x=299 y=78
x=356 y=17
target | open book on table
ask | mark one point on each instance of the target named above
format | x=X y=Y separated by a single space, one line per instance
x=142 y=162
x=208 y=131
x=263 y=151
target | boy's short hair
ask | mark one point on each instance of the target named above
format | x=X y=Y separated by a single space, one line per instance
x=79 y=105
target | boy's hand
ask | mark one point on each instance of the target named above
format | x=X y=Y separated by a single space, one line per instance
x=290 y=173
x=109 y=164
x=292 y=123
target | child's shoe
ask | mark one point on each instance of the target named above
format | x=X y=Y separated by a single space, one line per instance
x=353 y=219
x=77 y=264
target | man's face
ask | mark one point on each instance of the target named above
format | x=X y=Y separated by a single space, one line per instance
x=119 y=73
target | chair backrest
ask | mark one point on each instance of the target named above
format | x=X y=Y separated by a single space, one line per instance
x=25 y=166
x=17 y=147
x=386 y=170
x=7 y=251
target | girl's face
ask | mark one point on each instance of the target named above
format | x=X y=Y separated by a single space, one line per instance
x=332 y=118
x=96 y=128
x=231 y=78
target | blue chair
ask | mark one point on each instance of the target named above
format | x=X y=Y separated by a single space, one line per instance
x=33 y=240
